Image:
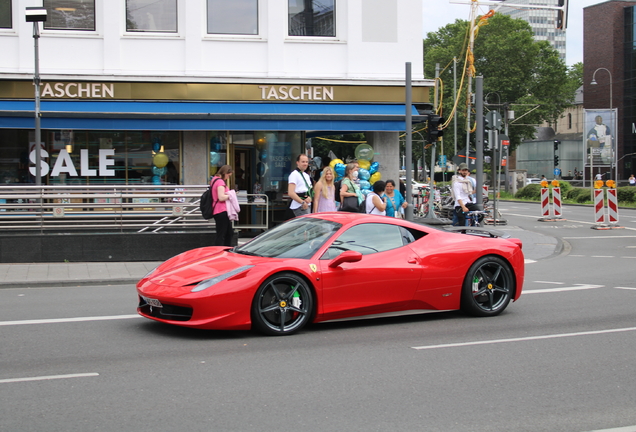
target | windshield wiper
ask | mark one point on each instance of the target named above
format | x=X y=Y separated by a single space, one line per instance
x=242 y=252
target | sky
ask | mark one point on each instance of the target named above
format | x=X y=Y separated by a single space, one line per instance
x=438 y=13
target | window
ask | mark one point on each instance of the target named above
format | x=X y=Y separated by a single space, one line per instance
x=368 y=239
x=151 y=16
x=311 y=18
x=233 y=17
x=70 y=14
x=5 y=14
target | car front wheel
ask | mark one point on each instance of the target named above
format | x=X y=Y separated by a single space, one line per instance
x=488 y=287
x=283 y=305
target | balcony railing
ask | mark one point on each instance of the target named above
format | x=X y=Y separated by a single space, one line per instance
x=124 y=208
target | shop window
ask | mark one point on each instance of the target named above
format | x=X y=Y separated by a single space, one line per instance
x=69 y=14
x=151 y=16
x=5 y=14
x=569 y=121
x=238 y=17
x=311 y=18
x=276 y=154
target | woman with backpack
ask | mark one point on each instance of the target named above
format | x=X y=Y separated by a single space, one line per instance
x=220 y=195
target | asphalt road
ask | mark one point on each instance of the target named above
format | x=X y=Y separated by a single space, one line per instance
x=559 y=359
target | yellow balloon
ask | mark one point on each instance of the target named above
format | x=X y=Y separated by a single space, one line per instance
x=375 y=177
x=364 y=164
x=160 y=160
x=333 y=163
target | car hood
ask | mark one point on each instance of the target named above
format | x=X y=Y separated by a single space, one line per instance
x=198 y=265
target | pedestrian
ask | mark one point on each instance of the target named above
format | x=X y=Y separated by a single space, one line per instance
x=462 y=191
x=220 y=195
x=325 y=192
x=632 y=180
x=375 y=204
x=394 y=200
x=349 y=189
x=543 y=178
x=299 y=187
x=599 y=176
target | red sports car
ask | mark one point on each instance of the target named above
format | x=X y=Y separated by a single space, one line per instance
x=330 y=266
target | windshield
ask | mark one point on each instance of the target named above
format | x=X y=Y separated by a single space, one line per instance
x=298 y=238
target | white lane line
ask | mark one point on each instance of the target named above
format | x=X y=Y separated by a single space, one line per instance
x=67 y=320
x=626 y=288
x=523 y=339
x=552 y=290
x=549 y=282
x=597 y=237
x=50 y=377
x=603 y=256
x=528 y=261
x=618 y=429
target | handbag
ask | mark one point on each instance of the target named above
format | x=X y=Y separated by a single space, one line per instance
x=350 y=204
x=397 y=213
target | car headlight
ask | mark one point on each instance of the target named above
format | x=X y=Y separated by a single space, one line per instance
x=209 y=282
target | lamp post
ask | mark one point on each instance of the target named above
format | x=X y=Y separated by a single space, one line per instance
x=37 y=15
x=611 y=121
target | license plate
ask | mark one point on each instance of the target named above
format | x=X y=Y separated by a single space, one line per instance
x=152 y=302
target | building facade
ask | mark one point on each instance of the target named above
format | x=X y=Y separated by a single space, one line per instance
x=542 y=21
x=167 y=91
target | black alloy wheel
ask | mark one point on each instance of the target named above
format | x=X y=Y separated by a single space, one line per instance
x=283 y=305
x=488 y=287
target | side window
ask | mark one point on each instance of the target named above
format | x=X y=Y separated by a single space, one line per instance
x=159 y=16
x=5 y=14
x=238 y=17
x=70 y=15
x=312 y=18
x=367 y=239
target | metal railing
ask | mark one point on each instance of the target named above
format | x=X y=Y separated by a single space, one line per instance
x=124 y=208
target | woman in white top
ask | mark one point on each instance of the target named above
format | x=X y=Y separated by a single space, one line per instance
x=299 y=187
x=374 y=204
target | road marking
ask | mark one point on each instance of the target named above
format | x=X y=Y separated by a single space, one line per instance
x=603 y=256
x=50 y=377
x=552 y=290
x=67 y=320
x=626 y=288
x=618 y=429
x=528 y=261
x=524 y=339
x=597 y=237
x=548 y=282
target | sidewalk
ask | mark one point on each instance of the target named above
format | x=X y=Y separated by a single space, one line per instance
x=535 y=246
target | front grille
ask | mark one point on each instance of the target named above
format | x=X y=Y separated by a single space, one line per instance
x=167 y=312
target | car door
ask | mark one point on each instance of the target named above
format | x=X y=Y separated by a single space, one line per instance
x=383 y=280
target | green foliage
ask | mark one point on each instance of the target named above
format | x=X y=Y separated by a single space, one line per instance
x=626 y=194
x=565 y=188
x=574 y=194
x=530 y=192
x=517 y=70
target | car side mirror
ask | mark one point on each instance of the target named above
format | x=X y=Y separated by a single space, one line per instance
x=347 y=256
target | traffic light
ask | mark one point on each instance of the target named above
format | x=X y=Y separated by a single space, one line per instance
x=556 y=160
x=434 y=132
x=556 y=145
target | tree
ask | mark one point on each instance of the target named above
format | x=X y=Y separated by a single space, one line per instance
x=527 y=74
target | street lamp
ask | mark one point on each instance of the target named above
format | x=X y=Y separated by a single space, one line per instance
x=611 y=120
x=37 y=15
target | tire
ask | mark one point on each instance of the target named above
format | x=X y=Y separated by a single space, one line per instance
x=277 y=310
x=488 y=287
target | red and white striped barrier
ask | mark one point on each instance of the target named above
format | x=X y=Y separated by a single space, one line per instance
x=545 y=202
x=599 y=207
x=612 y=206
x=556 y=202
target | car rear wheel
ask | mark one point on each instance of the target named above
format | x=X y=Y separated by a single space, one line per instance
x=283 y=305
x=488 y=287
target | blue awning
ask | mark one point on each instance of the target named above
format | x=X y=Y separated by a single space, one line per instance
x=130 y=115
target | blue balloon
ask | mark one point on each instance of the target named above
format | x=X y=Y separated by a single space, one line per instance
x=156 y=180
x=214 y=158
x=365 y=192
x=365 y=185
x=263 y=156
x=363 y=174
x=338 y=178
x=159 y=171
x=340 y=169
x=374 y=168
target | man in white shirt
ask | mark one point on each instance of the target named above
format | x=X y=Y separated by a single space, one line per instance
x=462 y=191
x=299 y=187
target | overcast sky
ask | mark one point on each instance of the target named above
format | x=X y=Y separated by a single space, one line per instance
x=438 y=13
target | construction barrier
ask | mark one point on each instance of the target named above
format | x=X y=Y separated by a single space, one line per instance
x=599 y=206
x=551 y=211
x=556 y=202
x=545 y=202
x=612 y=206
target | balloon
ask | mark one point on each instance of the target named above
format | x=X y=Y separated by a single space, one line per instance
x=365 y=192
x=333 y=163
x=214 y=158
x=160 y=160
x=363 y=174
x=263 y=155
x=159 y=171
x=156 y=180
x=375 y=177
x=338 y=178
x=364 y=151
x=156 y=146
x=340 y=169
x=364 y=164
x=374 y=168
x=365 y=185
x=261 y=168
